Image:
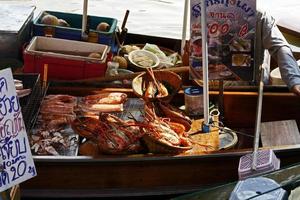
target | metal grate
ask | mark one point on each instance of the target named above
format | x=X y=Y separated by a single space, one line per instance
x=31 y=103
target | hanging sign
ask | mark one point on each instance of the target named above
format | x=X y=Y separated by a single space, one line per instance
x=15 y=156
x=230 y=38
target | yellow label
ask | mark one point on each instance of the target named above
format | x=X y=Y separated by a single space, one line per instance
x=93 y=37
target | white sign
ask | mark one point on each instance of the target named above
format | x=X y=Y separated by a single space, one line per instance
x=15 y=156
x=231 y=26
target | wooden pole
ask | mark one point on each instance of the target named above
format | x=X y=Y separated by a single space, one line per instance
x=84 y=21
x=184 y=24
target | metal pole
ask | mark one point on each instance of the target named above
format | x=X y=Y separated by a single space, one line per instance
x=84 y=20
x=204 y=63
x=258 y=118
x=184 y=24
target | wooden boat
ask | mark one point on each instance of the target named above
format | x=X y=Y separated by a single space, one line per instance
x=139 y=175
x=286 y=177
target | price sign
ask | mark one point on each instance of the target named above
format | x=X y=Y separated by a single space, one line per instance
x=230 y=35
x=15 y=156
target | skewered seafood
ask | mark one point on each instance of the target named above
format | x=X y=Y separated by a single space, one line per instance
x=152 y=87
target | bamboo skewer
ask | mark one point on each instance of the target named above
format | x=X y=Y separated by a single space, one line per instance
x=45 y=76
x=151 y=73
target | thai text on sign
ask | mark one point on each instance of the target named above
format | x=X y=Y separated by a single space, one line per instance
x=230 y=37
x=15 y=156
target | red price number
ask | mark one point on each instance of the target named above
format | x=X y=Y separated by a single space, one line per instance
x=243 y=30
x=215 y=27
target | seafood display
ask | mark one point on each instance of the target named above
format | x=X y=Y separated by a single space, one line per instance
x=57 y=111
x=175 y=115
x=92 y=105
x=52 y=134
x=45 y=142
x=164 y=131
x=110 y=133
x=104 y=128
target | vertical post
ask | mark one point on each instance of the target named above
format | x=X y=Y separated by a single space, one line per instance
x=221 y=99
x=258 y=117
x=183 y=39
x=205 y=66
x=45 y=76
x=84 y=20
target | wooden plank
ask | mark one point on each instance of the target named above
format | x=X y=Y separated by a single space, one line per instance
x=280 y=133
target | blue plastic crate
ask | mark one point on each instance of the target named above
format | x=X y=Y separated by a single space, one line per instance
x=74 y=31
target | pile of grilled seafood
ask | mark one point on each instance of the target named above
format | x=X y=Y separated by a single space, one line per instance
x=57 y=111
x=50 y=136
x=55 y=142
x=52 y=132
x=106 y=133
x=165 y=130
x=167 y=111
x=113 y=135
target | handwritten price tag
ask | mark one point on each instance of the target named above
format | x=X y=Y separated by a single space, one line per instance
x=15 y=156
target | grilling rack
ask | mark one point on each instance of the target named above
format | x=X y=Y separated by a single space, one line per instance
x=31 y=103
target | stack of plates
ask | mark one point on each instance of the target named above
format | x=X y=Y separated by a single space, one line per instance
x=266 y=162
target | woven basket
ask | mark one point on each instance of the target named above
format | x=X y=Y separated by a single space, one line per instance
x=168 y=78
x=155 y=146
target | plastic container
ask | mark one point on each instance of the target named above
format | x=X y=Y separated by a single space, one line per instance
x=66 y=59
x=193 y=99
x=253 y=186
x=266 y=162
x=74 y=31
